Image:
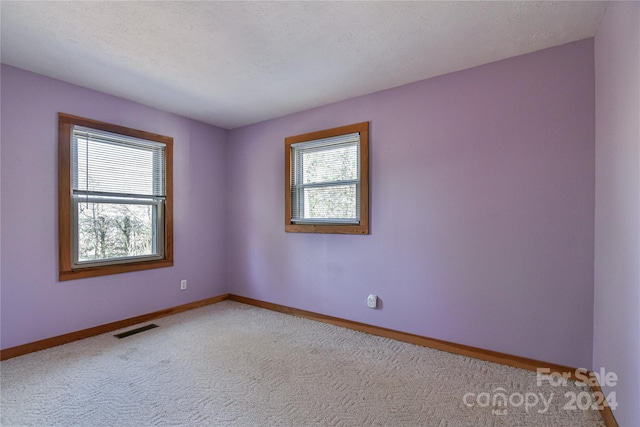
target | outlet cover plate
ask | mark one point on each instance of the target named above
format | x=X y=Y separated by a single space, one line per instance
x=372 y=301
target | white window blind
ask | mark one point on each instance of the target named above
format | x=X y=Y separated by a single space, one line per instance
x=109 y=164
x=326 y=180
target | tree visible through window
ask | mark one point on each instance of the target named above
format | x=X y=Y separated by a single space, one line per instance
x=110 y=231
x=116 y=183
x=327 y=181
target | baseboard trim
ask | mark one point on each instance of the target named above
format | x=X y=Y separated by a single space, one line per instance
x=606 y=411
x=101 y=329
x=461 y=349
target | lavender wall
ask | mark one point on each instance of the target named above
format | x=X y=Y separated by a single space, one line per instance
x=616 y=345
x=34 y=304
x=482 y=210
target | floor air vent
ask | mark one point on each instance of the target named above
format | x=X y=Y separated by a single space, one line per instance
x=135 y=331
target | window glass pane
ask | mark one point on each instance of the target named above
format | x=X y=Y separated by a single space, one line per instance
x=110 y=230
x=337 y=163
x=338 y=202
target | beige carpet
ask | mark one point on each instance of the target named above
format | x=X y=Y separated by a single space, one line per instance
x=232 y=364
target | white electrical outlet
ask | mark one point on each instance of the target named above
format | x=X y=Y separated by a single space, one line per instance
x=372 y=301
x=183 y=285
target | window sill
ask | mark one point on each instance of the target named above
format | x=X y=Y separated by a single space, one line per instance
x=327 y=228
x=82 y=273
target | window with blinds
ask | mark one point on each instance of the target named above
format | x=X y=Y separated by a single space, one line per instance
x=118 y=196
x=325 y=181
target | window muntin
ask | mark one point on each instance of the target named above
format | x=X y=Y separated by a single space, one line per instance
x=115 y=199
x=327 y=181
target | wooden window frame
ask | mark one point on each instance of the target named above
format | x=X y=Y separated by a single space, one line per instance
x=335 y=228
x=65 y=217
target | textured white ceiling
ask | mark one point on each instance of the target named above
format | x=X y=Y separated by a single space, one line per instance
x=236 y=63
